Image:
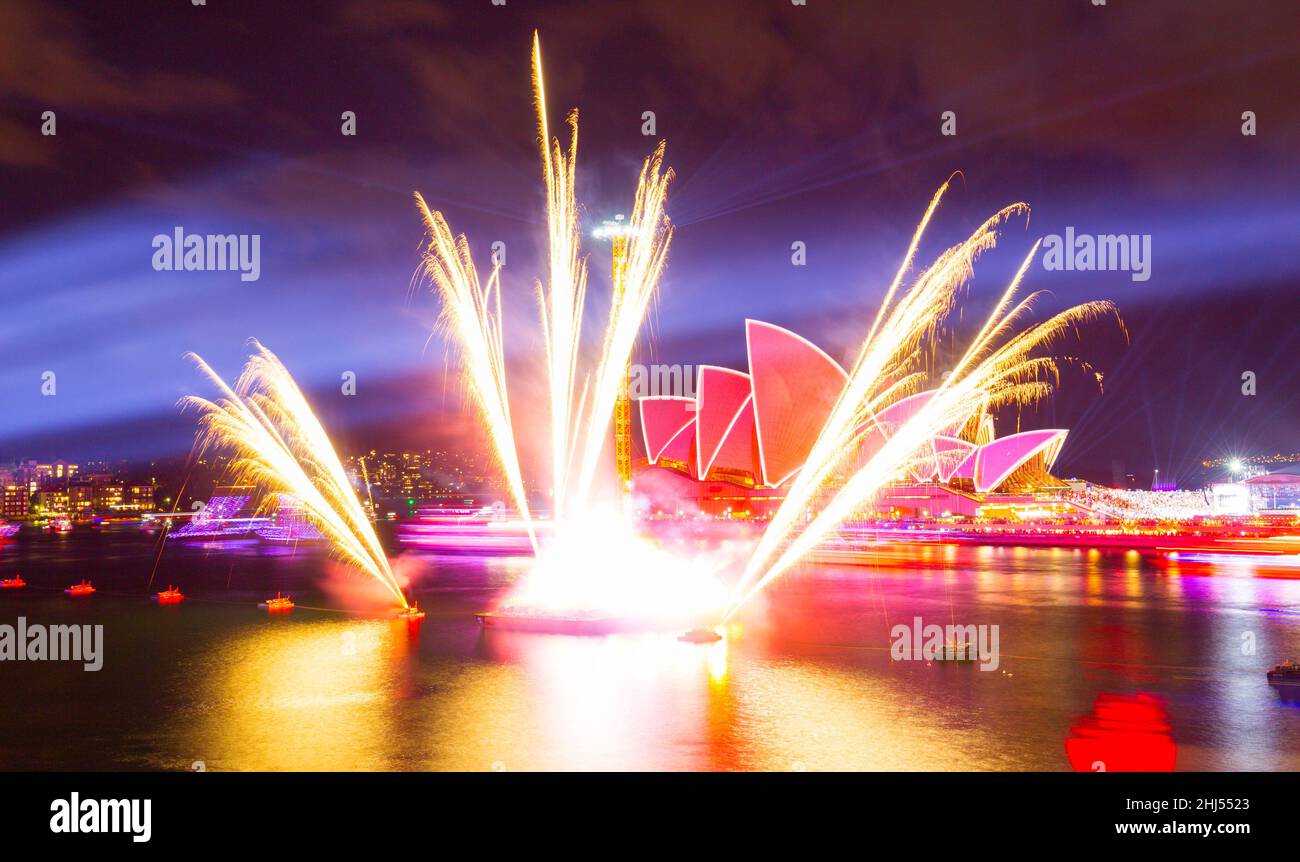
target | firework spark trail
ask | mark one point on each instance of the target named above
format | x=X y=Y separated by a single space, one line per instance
x=471 y=314
x=581 y=403
x=649 y=234
x=279 y=443
x=985 y=377
x=563 y=298
x=893 y=340
x=885 y=370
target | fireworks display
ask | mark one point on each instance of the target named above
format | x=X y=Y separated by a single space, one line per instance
x=279 y=444
x=472 y=315
x=700 y=394
x=581 y=396
x=998 y=368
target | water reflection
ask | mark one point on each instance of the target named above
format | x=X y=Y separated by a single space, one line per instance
x=1123 y=733
x=804 y=679
x=304 y=696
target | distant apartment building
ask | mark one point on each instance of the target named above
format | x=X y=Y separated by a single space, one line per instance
x=35 y=474
x=108 y=497
x=15 y=498
x=52 y=501
x=81 y=498
x=55 y=470
x=427 y=476
x=139 y=498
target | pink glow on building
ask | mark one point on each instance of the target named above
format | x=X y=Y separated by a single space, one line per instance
x=795 y=386
x=739 y=451
x=723 y=395
x=663 y=418
x=949 y=454
x=765 y=423
x=995 y=461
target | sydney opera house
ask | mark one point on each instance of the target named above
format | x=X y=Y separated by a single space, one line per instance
x=733 y=447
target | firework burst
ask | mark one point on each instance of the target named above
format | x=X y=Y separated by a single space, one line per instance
x=581 y=396
x=997 y=369
x=471 y=315
x=280 y=445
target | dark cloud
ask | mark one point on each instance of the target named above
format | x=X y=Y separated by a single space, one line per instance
x=816 y=123
x=48 y=56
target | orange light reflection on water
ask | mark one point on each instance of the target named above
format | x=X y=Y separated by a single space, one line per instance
x=802 y=682
x=303 y=696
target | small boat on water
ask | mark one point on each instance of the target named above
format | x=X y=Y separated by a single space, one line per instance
x=959 y=651
x=169 y=596
x=412 y=613
x=1285 y=675
x=82 y=589
x=700 y=636
x=279 y=603
x=13 y=583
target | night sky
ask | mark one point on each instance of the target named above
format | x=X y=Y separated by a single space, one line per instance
x=817 y=123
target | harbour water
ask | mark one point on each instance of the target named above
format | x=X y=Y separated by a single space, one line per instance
x=804 y=681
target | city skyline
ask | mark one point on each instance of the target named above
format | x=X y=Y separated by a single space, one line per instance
x=1090 y=149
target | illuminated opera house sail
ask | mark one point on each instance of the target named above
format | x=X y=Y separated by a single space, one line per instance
x=745 y=435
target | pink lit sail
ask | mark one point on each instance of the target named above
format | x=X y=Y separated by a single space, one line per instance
x=739 y=451
x=996 y=461
x=949 y=454
x=723 y=395
x=796 y=386
x=662 y=419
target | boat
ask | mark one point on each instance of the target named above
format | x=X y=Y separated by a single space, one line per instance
x=279 y=603
x=13 y=583
x=169 y=596
x=412 y=613
x=1287 y=675
x=959 y=651
x=700 y=636
x=82 y=589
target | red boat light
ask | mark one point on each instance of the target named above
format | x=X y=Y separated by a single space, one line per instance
x=169 y=596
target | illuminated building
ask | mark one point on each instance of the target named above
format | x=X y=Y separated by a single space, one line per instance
x=406 y=480
x=52 y=501
x=108 y=497
x=15 y=500
x=55 y=470
x=81 y=498
x=744 y=436
x=1276 y=493
x=138 y=498
x=1229 y=498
